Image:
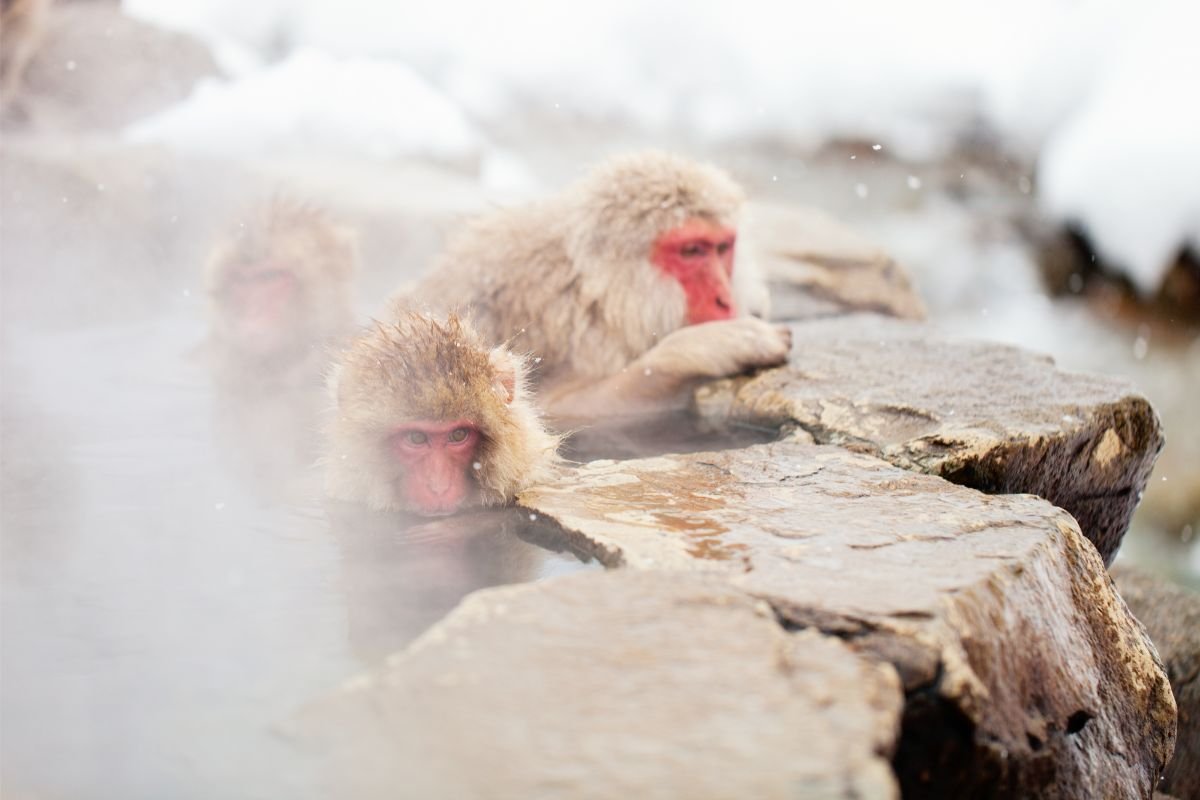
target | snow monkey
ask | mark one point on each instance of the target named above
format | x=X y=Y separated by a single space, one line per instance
x=429 y=420
x=279 y=289
x=22 y=27
x=624 y=287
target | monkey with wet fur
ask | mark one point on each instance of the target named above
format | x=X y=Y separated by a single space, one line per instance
x=624 y=287
x=280 y=290
x=429 y=420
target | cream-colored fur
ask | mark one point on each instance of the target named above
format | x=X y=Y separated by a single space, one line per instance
x=418 y=368
x=321 y=253
x=569 y=280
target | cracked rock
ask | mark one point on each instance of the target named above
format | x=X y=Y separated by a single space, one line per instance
x=984 y=415
x=1024 y=673
x=613 y=685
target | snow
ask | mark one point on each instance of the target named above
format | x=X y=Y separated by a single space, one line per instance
x=313 y=101
x=1095 y=91
x=1126 y=165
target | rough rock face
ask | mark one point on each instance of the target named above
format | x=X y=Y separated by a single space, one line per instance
x=613 y=685
x=817 y=267
x=1172 y=618
x=1023 y=670
x=984 y=415
x=99 y=70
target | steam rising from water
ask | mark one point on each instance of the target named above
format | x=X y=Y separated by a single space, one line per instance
x=171 y=585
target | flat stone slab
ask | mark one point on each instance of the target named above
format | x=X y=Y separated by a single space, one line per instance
x=819 y=267
x=615 y=685
x=1023 y=670
x=984 y=415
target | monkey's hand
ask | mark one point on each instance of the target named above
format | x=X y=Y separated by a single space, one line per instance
x=717 y=349
x=662 y=378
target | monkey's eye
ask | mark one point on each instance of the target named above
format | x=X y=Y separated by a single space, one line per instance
x=724 y=247
x=459 y=435
x=416 y=437
x=693 y=249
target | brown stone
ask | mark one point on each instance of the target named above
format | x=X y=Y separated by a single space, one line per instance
x=984 y=415
x=612 y=685
x=1171 y=615
x=817 y=267
x=98 y=69
x=1024 y=671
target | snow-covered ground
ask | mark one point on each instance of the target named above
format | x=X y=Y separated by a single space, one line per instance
x=1098 y=93
x=314 y=102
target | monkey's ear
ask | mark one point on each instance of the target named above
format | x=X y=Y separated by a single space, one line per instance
x=505 y=364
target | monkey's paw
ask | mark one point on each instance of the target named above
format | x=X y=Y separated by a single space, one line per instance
x=718 y=349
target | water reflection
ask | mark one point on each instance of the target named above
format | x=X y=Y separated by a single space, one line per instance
x=269 y=437
x=399 y=576
x=641 y=436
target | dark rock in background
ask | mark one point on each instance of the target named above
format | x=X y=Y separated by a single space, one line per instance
x=1172 y=618
x=99 y=70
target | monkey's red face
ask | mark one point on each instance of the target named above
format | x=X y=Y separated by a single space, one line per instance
x=439 y=461
x=699 y=254
x=260 y=300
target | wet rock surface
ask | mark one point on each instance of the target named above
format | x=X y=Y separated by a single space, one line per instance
x=1172 y=618
x=819 y=267
x=1023 y=671
x=612 y=686
x=984 y=415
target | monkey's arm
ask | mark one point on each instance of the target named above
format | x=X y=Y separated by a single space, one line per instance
x=661 y=379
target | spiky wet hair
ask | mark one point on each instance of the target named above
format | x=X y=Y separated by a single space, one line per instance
x=424 y=369
x=418 y=368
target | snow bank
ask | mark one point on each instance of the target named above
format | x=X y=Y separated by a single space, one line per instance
x=314 y=102
x=910 y=74
x=1055 y=78
x=1126 y=165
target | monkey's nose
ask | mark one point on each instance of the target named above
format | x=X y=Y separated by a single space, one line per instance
x=438 y=482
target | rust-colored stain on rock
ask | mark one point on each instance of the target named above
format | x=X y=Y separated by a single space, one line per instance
x=676 y=503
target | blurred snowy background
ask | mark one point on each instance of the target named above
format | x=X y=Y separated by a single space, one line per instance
x=1034 y=165
x=1101 y=96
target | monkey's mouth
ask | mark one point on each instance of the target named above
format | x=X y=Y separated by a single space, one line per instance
x=261 y=297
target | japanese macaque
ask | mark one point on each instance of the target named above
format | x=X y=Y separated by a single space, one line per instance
x=22 y=27
x=625 y=288
x=429 y=420
x=280 y=291
x=280 y=302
